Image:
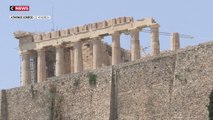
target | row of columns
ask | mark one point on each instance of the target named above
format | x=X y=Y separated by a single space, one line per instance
x=76 y=59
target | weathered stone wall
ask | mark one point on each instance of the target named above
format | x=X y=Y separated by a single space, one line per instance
x=171 y=86
x=78 y=97
x=63 y=98
x=28 y=103
x=0 y=105
x=3 y=105
x=144 y=88
x=193 y=83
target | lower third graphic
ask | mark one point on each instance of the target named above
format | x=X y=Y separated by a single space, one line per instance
x=30 y=17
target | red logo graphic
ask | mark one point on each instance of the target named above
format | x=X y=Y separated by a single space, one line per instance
x=19 y=8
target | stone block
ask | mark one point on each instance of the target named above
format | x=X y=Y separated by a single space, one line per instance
x=83 y=28
x=109 y=23
x=99 y=25
x=92 y=26
x=37 y=38
x=89 y=26
x=71 y=31
x=102 y=24
x=123 y=20
x=64 y=32
x=114 y=22
x=55 y=34
x=76 y=30
x=46 y=36
x=129 y=19
x=118 y=20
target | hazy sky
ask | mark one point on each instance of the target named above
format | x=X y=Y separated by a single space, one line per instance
x=191 y=17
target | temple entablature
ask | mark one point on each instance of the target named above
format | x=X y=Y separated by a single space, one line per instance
x=103 y=28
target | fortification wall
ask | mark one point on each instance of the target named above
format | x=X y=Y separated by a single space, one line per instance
x=30 y=102
x=171 y=86
x=0 y=104
x=193 y=84
x=67 y=97
x=3 y=105
x=82 y=99
x=144 y=89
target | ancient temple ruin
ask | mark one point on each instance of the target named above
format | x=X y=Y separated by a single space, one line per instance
x=82 y=47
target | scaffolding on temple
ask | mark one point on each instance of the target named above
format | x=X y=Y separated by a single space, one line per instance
x=33 y=68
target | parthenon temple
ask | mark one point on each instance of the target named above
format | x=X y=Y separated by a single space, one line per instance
x=82 y=47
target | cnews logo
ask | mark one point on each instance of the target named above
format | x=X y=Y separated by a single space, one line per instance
x=19 y=8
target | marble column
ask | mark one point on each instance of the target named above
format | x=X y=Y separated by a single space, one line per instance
x=116 y=49
x=25 y=63
x=78 y=60
x=71 y=59
x=175 y=41
x=135 y=44
x=59 y=60
x=96 y=53
x=155 y=43
x=41 y=65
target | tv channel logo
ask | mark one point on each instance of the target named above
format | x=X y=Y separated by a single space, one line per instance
x=19 y=8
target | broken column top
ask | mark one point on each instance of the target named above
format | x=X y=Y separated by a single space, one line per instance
x=21 y=34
